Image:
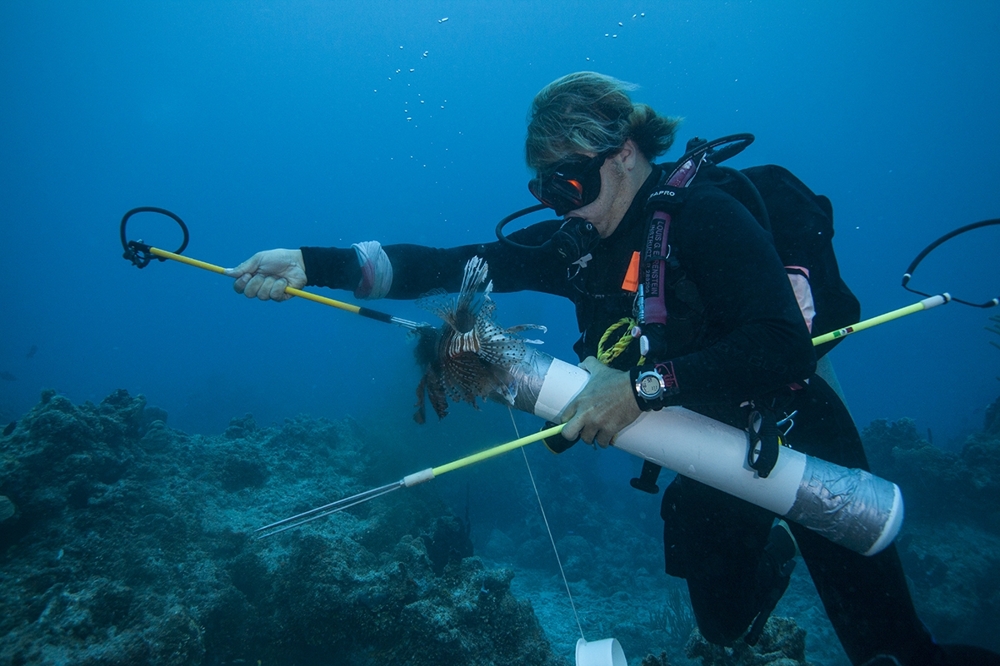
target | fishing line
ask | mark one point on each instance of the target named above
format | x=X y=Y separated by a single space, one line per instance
x=547 y=528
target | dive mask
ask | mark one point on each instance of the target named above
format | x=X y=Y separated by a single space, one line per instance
x=570 y=184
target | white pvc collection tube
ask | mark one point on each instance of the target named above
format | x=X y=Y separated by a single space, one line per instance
x=851 y=507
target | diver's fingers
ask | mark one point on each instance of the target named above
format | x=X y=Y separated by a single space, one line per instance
x=604 y=438
x=255 y=287
x=249 y=266
x=244 y=273
x=589 y=433
x=590 y=364
x=251 y=284
x=574 y=425
x=276 y=291
x=267 y=274
x=587 y=430
x=594 y=434
x=268 y=286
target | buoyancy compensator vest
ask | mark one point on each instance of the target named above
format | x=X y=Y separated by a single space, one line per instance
x=801 y=227
x=800 y=222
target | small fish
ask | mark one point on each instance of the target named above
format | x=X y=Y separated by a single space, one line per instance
x=10 y=428
x=32 y=351
x=443 y=19
x=7 y=377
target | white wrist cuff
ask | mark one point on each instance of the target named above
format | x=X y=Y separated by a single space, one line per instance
x=376 y=270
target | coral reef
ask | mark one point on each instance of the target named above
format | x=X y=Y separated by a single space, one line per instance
x=994 y=328
x=939 y=485
x=129 y=542
x=125 y=541
x=991 y=423
x=950 y=541
x=783 y=643
x=655 y=660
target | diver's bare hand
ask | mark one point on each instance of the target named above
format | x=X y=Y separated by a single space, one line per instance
x=605 y=405
x=266 y=274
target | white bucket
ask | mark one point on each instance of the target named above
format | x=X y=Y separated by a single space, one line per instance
x=605 y=652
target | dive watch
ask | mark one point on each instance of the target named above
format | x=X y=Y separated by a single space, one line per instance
x=650 y=387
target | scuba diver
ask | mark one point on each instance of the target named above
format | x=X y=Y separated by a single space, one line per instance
x=692 y=308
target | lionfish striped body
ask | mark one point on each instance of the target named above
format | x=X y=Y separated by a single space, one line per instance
x=470 y=356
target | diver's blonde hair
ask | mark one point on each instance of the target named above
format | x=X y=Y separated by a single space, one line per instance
x=587 y=112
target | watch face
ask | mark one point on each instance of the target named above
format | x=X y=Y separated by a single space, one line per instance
x=649 y=386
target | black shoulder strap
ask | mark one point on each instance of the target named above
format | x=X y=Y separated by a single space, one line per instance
x=661 y=205
x=665 y=199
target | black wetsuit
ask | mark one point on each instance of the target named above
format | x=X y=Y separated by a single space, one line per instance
x=745 y=339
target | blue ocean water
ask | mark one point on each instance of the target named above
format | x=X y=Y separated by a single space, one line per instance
x=285 y=124
x=280 y=124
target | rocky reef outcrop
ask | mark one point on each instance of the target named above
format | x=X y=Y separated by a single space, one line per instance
x=783 y=643
x=939 y=485
x=950 y=541
x=123 y=541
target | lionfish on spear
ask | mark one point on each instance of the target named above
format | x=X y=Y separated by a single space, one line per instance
x=470 y=356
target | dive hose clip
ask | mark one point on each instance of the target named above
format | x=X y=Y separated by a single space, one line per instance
x=786 y=424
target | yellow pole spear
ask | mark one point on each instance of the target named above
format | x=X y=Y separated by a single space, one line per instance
x=309 y=296
x=926 y=304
